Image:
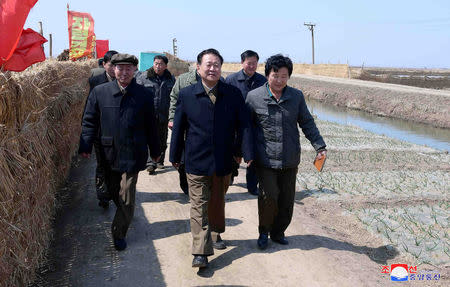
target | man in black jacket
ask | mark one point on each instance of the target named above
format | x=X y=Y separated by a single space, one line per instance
x=246 y=80
x=123 y=112
x=100 y=76
x=160 y=81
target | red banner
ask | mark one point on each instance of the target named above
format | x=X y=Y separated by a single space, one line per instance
x=28 y=51
x=13 y=14
x=81 y=35
x=102 y=46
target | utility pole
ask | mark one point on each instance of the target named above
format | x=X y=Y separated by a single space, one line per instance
x=175 y=48
x=51 y=44
x=311 y=28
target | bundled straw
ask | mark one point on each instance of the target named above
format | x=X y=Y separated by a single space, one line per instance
x=40 y=112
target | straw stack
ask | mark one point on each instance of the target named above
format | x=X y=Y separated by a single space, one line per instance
x=40 y=112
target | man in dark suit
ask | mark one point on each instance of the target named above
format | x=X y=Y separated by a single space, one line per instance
x=121 y=114
x=100 y=76
x=208 y=115
x=246 y=80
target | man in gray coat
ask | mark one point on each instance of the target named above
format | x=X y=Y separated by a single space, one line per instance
x=277 y=110
x=159 y=81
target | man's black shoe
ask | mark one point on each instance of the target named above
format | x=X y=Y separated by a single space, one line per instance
x=103 y=203
x=254 y=192
x=219 y=244
x=200 y=261
x=263 y=240
x=151 y=169
x=281 y=240
x=120 y=244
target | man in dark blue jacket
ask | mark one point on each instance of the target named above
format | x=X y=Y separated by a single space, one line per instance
x=246 y=80
x=100 y=76
x=207 y=117
x=123 y=112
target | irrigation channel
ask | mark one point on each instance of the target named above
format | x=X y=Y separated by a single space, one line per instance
x=408 y=131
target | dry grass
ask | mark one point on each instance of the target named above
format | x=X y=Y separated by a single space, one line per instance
x=40 y=112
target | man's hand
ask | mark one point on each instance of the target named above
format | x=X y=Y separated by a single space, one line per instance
x=170 y=125
x=249 y=163
x=321 y=154
x=238 y=159
x=85 y=155
x=176 y=165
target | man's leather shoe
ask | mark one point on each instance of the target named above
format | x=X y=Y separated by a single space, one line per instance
x=281 y=240
x=120 y=244
x=151 y=169
x=263 y=240
x=103 y=203
x=254 y=192
x=219 y=244
x=200 y=261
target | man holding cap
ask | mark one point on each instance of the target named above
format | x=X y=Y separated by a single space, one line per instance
x=123 y=112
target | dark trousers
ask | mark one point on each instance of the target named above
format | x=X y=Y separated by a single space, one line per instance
x=100 y=186
x=207 y=196
x=122 y=187
x=252 y=179
x=276 y=199
x=162 y=132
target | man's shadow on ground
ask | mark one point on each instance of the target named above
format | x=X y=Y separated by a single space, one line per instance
x=243 y=248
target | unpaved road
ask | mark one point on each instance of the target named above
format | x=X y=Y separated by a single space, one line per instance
x=159 y=242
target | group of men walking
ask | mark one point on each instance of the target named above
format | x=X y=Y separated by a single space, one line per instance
x=215 y=123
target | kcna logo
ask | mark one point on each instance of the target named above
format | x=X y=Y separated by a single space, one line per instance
x=399 y=272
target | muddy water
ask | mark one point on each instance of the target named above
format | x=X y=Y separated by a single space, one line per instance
x=400 y=129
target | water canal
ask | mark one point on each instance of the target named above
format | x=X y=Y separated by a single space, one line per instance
x=408 y=131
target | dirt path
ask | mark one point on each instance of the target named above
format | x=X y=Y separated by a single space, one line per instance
x=326 y=247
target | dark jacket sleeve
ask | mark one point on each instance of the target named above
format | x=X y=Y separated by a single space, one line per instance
x=308 y=126
x=244 y=139
x=178 y=131
x=90 y=123
x=152 y=130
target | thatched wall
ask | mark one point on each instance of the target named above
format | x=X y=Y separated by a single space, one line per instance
x=40 y=111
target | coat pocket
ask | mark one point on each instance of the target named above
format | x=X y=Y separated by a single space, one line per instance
x=108 y=148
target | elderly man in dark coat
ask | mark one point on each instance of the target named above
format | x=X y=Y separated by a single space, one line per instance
x=123 y=112
x=208 y=115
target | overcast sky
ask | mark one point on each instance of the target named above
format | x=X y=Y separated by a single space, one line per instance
x=394 y=33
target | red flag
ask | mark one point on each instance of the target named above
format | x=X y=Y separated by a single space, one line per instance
x=81 y=35
x=102 y=46
x=13 y=14
x=28 y=51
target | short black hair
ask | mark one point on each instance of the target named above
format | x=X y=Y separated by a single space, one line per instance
x=209 y=51
x=108 y=55
x=161 y=57
x=276 y=62
x=100 y=62
x=249 y=54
